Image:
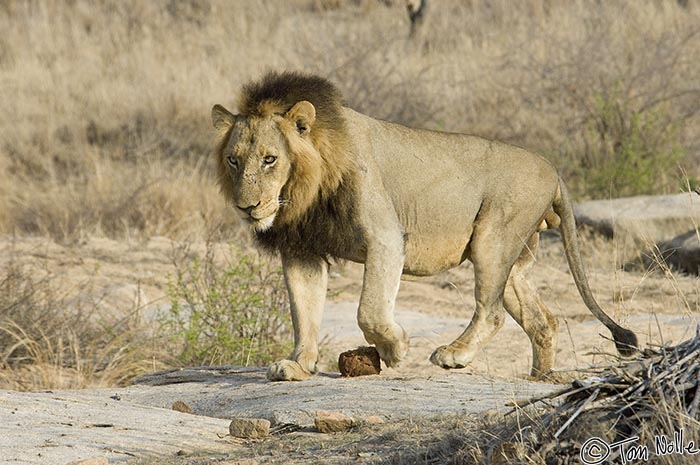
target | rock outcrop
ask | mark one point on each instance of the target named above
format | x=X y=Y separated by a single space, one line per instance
x=666 y=225
x=121 y=424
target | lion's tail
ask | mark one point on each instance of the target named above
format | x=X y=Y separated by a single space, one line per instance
x=625 y=340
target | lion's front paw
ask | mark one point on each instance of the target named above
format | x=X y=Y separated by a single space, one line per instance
x=448 y=357
x=392 y=352
x=287 y=370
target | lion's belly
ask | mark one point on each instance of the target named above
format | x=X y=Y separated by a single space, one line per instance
x=431 y=248
x=438 y=224
x=429 y=259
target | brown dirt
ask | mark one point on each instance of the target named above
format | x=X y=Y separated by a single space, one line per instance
x=660 y=307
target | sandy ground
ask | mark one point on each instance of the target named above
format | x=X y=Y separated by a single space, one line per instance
x=131 y=276
x=660 y=307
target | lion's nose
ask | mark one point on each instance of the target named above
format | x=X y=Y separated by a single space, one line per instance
x=248 y=209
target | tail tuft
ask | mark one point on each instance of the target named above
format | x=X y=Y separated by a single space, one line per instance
x=625 y=342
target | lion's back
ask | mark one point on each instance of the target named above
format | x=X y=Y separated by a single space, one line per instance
x=439 y=182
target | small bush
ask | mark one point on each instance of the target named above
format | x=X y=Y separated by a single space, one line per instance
x=226 y=311
x=628 y=152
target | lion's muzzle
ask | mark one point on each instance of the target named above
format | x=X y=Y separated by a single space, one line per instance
x=249 y=209
x=260 y=216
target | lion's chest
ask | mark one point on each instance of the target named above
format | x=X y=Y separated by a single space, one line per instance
x=329 y=230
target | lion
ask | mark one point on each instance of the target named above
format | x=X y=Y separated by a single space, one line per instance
x=317 y=182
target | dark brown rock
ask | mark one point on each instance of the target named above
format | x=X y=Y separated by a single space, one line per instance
x=180 y=406
x=360 y=362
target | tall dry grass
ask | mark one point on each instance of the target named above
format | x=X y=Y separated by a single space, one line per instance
x=222 y=305
x=105 y=125
x=50 y=340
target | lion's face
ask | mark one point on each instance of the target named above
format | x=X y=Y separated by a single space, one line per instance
x=257 y=160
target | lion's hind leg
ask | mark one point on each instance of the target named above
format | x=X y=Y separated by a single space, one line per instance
x=524 y=304
x=493 y=258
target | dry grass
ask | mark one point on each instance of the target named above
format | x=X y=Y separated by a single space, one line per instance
x=51 y=341
x=222 y=306
x=105 y=129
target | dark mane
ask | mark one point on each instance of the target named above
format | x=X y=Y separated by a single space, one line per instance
x=328 y=230
x=278 y=92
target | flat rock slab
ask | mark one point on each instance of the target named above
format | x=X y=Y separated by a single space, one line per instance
x=648 y=218
x=121 y=424
x=56 y=428
x=242 y=392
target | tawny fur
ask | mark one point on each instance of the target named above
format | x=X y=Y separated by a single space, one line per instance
x=317 y=180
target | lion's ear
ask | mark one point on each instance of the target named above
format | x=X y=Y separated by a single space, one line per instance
x=221 y=118
x=303 y=115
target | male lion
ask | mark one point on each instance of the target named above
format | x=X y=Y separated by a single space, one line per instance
x=316 y=180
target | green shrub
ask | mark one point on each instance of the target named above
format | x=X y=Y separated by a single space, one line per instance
x=629 y=151
x=235 y=312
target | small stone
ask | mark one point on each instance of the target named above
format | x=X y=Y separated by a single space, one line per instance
x=180 y=406
x=373 y=420
x=91 y=461
x=249 y=428
x=327 y=421
x=360 y=362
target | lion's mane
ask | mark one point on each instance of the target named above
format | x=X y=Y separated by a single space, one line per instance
x=317 y=217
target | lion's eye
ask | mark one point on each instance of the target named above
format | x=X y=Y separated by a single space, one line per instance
x=232 y=162
x=269 y=160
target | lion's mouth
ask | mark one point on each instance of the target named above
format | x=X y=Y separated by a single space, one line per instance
x=262 y=221
x=261 y=218
x=262 y=224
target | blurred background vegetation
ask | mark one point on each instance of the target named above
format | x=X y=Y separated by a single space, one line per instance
x=105 y=128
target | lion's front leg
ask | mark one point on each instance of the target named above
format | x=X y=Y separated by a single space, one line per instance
x=306 y=282
x=375 y=314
